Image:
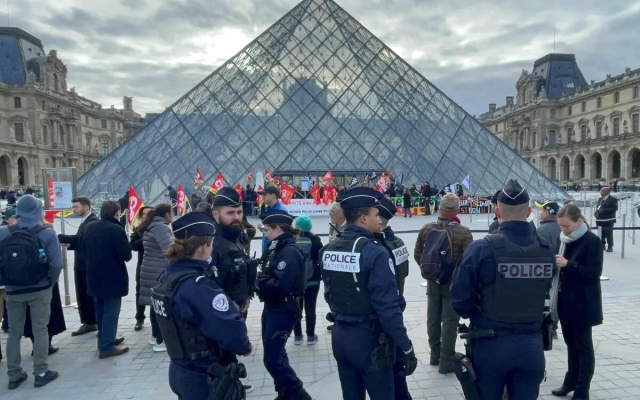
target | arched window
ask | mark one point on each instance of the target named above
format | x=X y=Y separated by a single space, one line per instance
x=55 y=83
x=45 y=135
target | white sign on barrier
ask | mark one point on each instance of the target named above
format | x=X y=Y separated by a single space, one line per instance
x=307 y=207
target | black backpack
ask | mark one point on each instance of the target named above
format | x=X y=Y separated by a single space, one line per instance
x=21 y=263
x=304 y=243
x=436 y=262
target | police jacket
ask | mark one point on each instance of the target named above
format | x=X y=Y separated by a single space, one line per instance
x=400 y=257
x=510 y=301
x=283 y=272
x=199 y=324
x=235 y=270
x=374 y=272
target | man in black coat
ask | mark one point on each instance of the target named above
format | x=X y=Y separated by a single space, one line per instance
x=107 y=250
x=81 y=208
x=606 y=217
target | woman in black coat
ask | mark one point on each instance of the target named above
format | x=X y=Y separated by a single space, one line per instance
x=579 y=302
x=136 y=245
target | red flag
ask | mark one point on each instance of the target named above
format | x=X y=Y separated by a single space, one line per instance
x=49 y=214
x=217 y=184
x=315 y=193
x=249 y=177
x=259 y=197
x=286 y=193
x=380 y=187
x=328 y=194
x=135 y=204
x=267 y=176
x=181 y=204
x=52 y=197
x=328 y=177
x=238 y=189
x=198 y=180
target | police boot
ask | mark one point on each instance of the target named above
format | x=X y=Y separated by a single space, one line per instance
x=434 y=358
x=446 y=365
x=301 y=395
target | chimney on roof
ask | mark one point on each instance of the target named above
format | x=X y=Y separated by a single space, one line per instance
x=509 y=101
x=492 y=107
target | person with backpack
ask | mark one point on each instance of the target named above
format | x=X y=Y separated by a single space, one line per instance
x=310 y=245
x=30 y=263
x=438 y=248
x=400 y=257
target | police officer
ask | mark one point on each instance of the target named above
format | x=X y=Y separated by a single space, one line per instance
x=281 y=287
x=501 y=284
x=202 y=329
x=400 y=257
x=233 y=269
x=361 y=291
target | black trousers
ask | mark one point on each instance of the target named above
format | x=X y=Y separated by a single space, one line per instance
x=606 y=235
x=309 y=304
x=581 y=356
x=86 y=308
x=155 y=328
x=139 y=308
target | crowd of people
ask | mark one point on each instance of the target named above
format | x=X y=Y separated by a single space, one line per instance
x=198 y=278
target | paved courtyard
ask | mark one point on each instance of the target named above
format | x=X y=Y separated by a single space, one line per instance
x=142 y=374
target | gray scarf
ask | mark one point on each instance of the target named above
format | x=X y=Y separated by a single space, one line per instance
x=564 y=240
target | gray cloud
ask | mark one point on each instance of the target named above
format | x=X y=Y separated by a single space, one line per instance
x=156 y=50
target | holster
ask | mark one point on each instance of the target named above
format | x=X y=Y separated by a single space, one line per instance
x=547 y=332
x=465 y=373
x=224 y=381
x=384 y=355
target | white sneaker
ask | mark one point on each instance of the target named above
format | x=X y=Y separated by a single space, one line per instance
x=160 y=347
x=153 y=341
x=248 y=388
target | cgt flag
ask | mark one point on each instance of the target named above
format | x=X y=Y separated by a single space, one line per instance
x=260 y=197
x=181 y=203
x=135 y=204
x=238 y=189
x=328 y=177
x=197 y=182
x=249 y=177
x=268 y=178
x=286 y=193
x=315 y=193
x=217 y=184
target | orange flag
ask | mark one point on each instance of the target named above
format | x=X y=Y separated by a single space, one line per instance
x=135 y=204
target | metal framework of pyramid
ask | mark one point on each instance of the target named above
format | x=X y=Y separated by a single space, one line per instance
x=316 y=91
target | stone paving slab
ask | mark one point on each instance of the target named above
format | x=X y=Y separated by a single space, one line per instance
x=143 y=374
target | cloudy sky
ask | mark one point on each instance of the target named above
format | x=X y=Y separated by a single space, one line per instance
x=156 y=50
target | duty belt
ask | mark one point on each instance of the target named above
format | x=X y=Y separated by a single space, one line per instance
x=477 y=333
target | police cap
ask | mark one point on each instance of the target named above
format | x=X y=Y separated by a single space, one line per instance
x=360 y=197
x=194 y=224
x=227 y=197
x=386 y=207
x=276 y=217
x=513 y=194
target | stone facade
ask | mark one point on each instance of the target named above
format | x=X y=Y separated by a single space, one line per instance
x=586 y=135
x=43 y=124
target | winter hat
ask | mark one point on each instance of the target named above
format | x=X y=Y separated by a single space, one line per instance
x=9 y=212
x=29 y=211
x=303 y=223
x=450 y=204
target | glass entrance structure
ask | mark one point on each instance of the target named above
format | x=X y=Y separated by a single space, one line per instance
x=316 y=91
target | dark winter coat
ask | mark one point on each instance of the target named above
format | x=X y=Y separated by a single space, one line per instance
x=73 y=241
x=580 y=297
x=406 y=200
x=156 y=240
x=107 y=251
x=56 y=324
x=316 y=246
x=606 y=211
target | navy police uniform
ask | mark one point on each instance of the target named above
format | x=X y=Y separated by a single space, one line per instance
x=232 y=268
x=280 y=287
x=501 y=284
x=400 y=257
x=200 y=326
x=361 y=291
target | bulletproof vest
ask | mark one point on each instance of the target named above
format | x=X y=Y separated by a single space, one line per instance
x=270 y=265
x=523 y=276
x=346 y=287
x=233 y=265
x=400 y=258
x=184 y=341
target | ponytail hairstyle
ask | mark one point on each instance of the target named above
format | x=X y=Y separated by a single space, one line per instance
x=186 y=248
x=286 y=228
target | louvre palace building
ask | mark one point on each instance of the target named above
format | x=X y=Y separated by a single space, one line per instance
x=45 y=124
x=573 y=130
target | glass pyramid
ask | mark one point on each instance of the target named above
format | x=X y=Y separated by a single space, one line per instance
x=316 y=91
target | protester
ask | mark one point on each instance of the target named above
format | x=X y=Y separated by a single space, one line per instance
x=136 y=242
x=406 y=202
